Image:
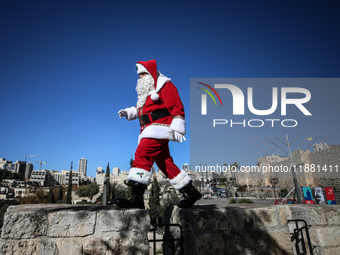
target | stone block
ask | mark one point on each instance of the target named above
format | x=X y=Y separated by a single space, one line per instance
x=313 y=214
x=329 y=251
x=70 y=247
x=24 y=225
x=282 y=216
x=71 y=223
x=115 y=245
x=228 y=220
x=29 y=247
x=111 y=221
x=332 y=214
x=280 y=238
x=325 y=236
x=137 y=221
x=266 y=217
x=122 y=220
x=210 y=244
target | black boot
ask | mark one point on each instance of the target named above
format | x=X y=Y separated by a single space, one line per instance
x=191 y=195
x=136 y=200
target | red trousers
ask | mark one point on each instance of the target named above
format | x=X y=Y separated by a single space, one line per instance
x=155 y=150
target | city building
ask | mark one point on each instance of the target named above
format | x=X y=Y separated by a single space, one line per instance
x=115 y=171
x=75 y=176
x=186 y=167
x=28 y=171
x=43 y=177
x=82 y=166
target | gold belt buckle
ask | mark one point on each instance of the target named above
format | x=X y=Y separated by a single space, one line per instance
x=141 y=121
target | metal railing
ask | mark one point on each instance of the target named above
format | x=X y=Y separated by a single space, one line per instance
x=168 y=239
x=298 y=237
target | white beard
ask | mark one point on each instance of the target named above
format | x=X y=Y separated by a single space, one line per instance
x=144 y=86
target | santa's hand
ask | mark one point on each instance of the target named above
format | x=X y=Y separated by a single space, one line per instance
x=122 y=113
x=179 y=137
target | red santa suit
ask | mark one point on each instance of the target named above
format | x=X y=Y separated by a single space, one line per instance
x=161 y=118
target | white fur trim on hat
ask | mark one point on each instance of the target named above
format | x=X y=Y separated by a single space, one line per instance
x=178 y=125
x=154 y=96
x=141 y=69
x=140 y=175
x=181 y=180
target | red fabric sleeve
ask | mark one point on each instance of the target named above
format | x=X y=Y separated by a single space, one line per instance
x=172 y=100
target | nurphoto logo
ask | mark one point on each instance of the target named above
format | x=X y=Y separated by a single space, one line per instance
x=238 y=104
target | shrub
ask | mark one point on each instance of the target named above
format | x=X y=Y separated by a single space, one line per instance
x=244 y=200
x=232 y=201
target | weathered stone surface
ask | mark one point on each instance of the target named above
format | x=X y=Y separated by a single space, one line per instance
x=122 y=220
x=110 y=221
x=329 y=251
x=114 y=245
x=137 y=221
x=312 y=214
x=29 y=247
x=326 y=236
x=71 y=224
x=212 y=243
x=332 y=215
x=233 y=230
x=24 y=225
x=266 y=217
x=70 y=247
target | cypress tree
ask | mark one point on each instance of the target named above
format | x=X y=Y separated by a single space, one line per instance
x=108 y=184
x=68 y=197
x=154 y=201
x=50 y=196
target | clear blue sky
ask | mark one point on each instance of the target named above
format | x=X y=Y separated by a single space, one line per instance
x=67 y=67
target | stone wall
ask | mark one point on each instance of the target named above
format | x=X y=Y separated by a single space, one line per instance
x=65 y=229
x=247 y=229
x=255 y=230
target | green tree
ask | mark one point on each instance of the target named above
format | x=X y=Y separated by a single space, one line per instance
x=242 y=188
x=222 y=180
x=170 y=200
x=68 y=196
x=108 y=186
x=3 y=176
x=131 y=162
x=88 y=190
x=50 y=196
x=154 y=201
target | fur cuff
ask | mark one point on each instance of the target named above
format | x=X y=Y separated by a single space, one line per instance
x=131 y=113
x=178 y=125
x=181 y=180
x=140 y=175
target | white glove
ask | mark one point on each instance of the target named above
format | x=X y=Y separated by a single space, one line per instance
x=179 y=137
x=122 y=113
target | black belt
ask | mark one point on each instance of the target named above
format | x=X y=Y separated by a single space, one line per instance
x=145 y=119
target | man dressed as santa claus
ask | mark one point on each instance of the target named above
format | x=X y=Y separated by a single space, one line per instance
x=161 y=116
